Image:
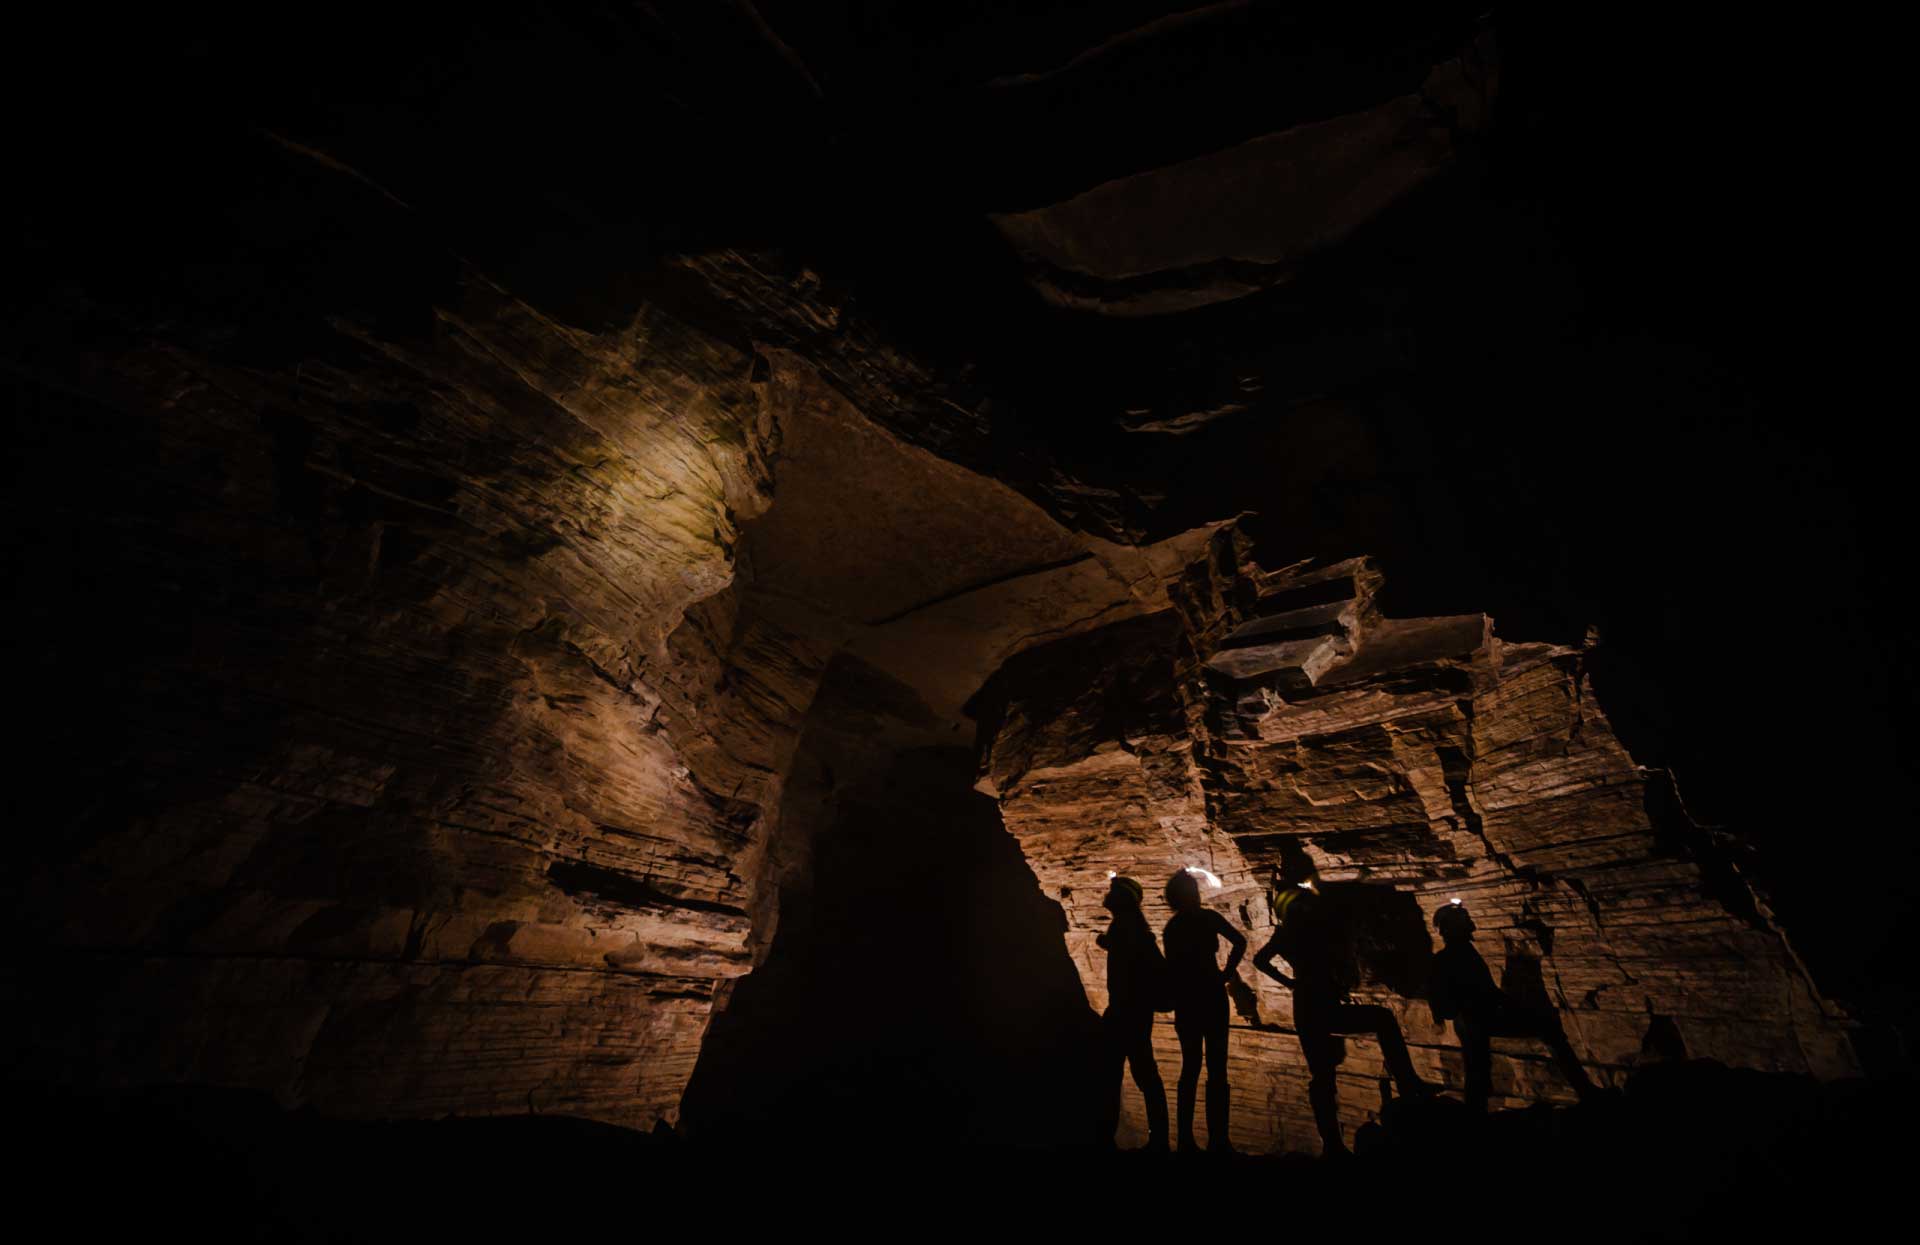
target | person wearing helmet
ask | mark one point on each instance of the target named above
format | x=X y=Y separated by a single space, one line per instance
x=1463 y=991
x=1308 y=936
x=1198 y=986
x=1135 y=983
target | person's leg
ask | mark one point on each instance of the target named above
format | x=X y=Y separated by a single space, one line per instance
x=1219 y=1098
x=1113 y=1054
x=1322 y=1051
x=1323 y=1092
x=1192 y=1032
x=1543 y=1025
x=1146 y=1075
x=1477 y=1052
x=1378 y=1023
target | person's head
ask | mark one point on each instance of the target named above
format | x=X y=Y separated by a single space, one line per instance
x=1293 y=866
x=1295 y=871
x=1183 y=891
x=1454 y=922
x=1123 y=894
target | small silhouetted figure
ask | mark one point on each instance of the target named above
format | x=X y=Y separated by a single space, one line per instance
x=1198 y=986
x=1136 y=979
x=1464 y=992
x=1308 y=938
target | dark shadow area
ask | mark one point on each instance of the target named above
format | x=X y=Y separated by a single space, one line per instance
x=918 y=993
x=1691 y=1151
x=1378 y=935
x=1389 y=941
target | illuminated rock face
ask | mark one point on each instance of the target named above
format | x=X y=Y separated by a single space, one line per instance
x=439 y=667
x=1277 y=718
x=438 y=786
x=459 y=664
x=419 y=657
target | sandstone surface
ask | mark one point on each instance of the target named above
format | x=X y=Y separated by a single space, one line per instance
x=517 y=522
x=1275 y=718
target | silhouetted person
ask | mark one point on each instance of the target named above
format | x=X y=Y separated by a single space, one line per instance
x=1464 y=992
x=1136 y=982
x=1199 y=988
x=1310 y=940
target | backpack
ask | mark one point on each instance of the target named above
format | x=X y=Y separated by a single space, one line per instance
x=1147 y=974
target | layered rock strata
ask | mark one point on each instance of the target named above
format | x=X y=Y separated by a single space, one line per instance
x=435 y=745
x=1275 y=719
x=423 y=588
x=433 y=776
x=438 y=666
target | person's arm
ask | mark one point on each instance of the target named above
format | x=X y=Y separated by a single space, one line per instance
x=1263 y=960
x=1236 y=942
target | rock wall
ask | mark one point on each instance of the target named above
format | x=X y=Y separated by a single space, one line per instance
x=418 y=675
x=1277 y=717
x=433 y=508
x=430 y=749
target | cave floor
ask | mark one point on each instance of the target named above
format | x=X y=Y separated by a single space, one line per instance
x=1695 y=1153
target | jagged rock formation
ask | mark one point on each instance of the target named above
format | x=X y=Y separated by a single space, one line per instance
x=475 y=829
x=1230 y=223
x=1277 y=717
x=480 y=653
x=476 y=552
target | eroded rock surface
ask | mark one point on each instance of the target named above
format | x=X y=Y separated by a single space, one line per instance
x=1274 y=718
x=453 y=453
x=476 y=829
x=462 y=657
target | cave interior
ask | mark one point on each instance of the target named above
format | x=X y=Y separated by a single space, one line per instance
x=640 y=566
